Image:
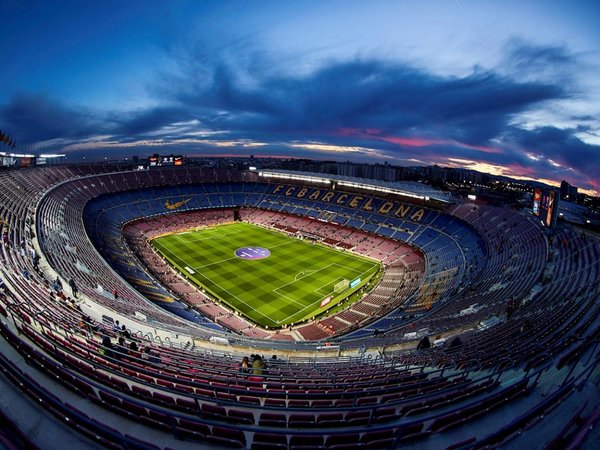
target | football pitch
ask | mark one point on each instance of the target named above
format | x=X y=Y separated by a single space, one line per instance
x=271 y=278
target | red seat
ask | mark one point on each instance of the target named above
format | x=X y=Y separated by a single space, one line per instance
x=330 y=419
x=214 y=412
x=237 y=416
x=272 y=420
x=192 y=430
x=228 y=436
x=301 y=420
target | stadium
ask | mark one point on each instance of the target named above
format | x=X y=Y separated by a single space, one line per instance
x=387 y=315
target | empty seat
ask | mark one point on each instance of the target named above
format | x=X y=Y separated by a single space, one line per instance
x=238 y=416
x=332 y=419
x=191 y=429
x=228 y=436
x=269 y=441
x=355 y=418
x=384 y=414
x=301 y=420
x=342 y=441
x=213 y=412
x=306 y=442
x=272 y=420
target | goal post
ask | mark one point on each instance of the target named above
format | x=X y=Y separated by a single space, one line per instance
x=341 y=286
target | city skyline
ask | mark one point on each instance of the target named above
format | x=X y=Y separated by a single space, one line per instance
x=508 y=88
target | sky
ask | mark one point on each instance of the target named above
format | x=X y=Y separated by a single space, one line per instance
x=504 y=87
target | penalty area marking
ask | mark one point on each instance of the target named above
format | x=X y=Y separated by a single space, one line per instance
x=315 y=291
x=321 y=298
x=303 y=274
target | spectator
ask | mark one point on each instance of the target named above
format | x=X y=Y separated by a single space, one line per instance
x=125 y=332
x=245 y=365
x=424 y=344
x=83 y=326
x=107 y=348
x=511 y=307
x=150 y=356
x=73 y=287
x=258 y=365
x=134 y=350
x=90 y=323
x=120 y=348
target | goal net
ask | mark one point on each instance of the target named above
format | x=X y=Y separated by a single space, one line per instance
x=341 y=286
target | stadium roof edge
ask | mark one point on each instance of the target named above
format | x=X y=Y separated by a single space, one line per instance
x=406 y=188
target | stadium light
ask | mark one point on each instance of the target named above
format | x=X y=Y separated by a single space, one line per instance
x=286 y=176
x=370 y=187
x=21 y=155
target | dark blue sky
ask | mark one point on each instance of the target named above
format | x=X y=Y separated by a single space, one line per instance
x=507 y=87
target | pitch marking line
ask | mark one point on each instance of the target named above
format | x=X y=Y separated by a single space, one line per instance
x=166 y=250
x=308 y=272
x=237 y=298
x=207 y=238
x=321 y=296
x=317 y=301
x=337 y=280
x=235 y=257
x=290 y=299
x=280 y=294
x=302 y=277
x=319 y=270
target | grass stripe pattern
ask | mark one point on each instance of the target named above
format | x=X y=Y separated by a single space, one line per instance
x=284 y=288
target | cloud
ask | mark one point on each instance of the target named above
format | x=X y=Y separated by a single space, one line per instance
x=37 y=117
x=562 y=151
x=361 y=108
x=391 y=97
x=525 y=59
x=149 y=120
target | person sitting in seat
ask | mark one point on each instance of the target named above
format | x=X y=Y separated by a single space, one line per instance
x=258 y=365
x=424 y=344
x=245 y=365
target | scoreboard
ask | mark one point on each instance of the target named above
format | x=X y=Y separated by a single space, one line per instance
x=545 y=206
x=165 y=160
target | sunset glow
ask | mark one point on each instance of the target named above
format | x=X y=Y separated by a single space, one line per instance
x=462 y=84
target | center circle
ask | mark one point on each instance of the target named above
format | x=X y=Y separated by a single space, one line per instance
x=252 y=253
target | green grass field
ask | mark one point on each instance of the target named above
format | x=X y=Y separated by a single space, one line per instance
x=284 y=288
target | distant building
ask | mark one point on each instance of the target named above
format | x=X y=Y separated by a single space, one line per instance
x=349 y=169
x=567 y=191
